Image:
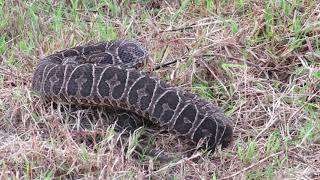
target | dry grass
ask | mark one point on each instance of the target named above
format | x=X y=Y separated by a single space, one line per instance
x=258 y=60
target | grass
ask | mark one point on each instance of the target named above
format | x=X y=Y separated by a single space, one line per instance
x=258 y=60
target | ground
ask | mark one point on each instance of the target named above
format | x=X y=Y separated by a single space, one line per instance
x=257 y=60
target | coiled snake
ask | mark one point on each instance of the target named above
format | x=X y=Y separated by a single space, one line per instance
x=103 y=75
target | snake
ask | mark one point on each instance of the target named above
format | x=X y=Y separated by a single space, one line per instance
x=107 y=75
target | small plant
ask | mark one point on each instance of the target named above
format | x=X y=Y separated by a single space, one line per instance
x=3 y=45
x=249 y=153
x=273 y=144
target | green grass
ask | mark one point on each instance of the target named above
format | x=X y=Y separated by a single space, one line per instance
x=262 y=67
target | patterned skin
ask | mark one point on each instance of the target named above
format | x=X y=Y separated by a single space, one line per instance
x=106 y=75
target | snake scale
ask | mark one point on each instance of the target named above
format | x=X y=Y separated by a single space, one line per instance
x=104 y=75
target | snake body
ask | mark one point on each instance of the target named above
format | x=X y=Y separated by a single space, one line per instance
x=103 y=75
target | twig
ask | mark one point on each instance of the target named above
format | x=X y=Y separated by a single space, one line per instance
x=252 y=165
x=191 y=26
x=234 y=58
x=175 y=164
x=178 y=29
x=164 y=65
